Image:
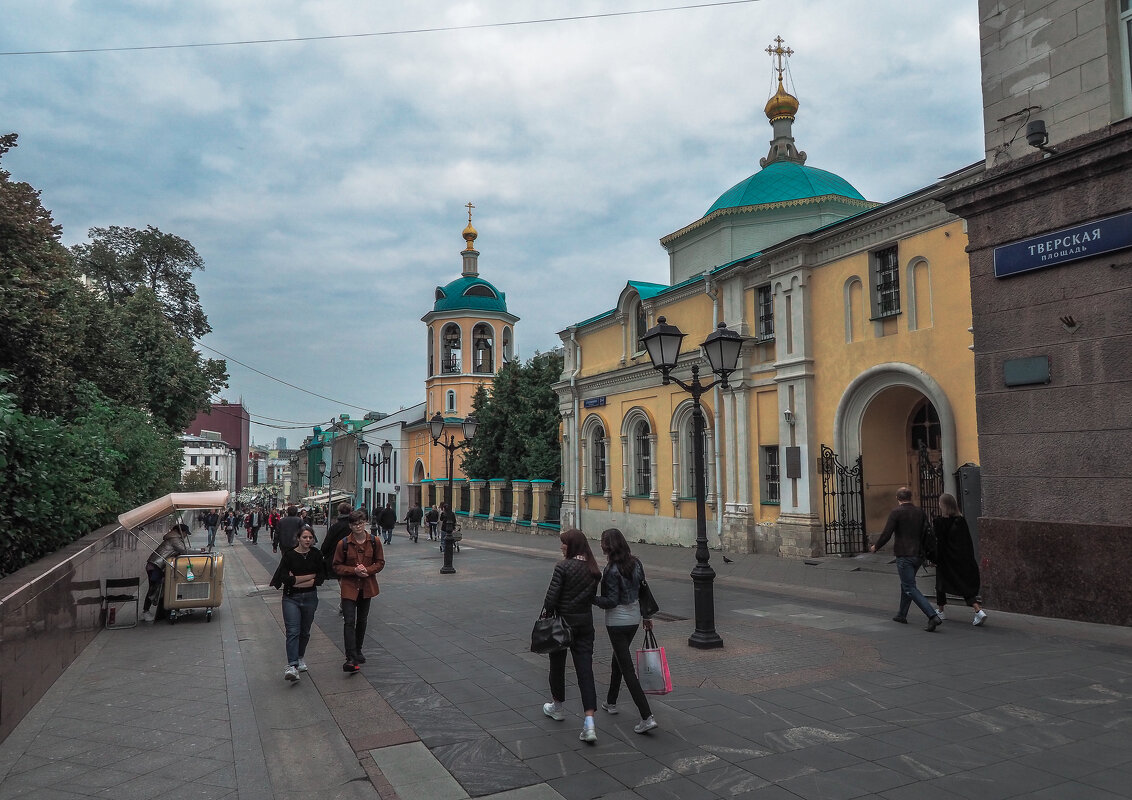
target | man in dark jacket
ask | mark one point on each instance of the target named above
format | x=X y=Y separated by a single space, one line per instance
x=288 y=529
x=413 y=521
x=336 y=533
x=907 y=523
x=388 y=521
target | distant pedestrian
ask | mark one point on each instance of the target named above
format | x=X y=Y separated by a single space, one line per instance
x=230 y=525
x=570 y=595
x=432 y=519
x=907 y=522
x=211 y=523
x=299 y=574
x=620 y=597
x=956 y=570
x=448 y=527
x=413 y=521
x=388 y=522
x=257 y=523
x=357 y=560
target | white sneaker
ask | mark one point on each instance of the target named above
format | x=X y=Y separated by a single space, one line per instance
x=291 y=673
x=302 y=666
x=645 y=725
x=147 y=616
x=980 y=618
x=588 y=735
x=554 y=711
x=939 y=613
x=610 y=708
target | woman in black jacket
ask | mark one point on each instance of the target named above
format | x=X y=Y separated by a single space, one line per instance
x=956 y=570
x=620 y=597
x=571 y=593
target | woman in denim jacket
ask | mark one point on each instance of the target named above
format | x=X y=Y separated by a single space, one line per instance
x=571 y=593
x=620 y=597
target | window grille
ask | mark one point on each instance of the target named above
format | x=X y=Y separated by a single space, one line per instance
x=887 y=273
x=771 y=475
x=643 y=459
x=766 y=313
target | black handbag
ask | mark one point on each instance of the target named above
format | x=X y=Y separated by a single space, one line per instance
x=649 y=607
x=550 y=634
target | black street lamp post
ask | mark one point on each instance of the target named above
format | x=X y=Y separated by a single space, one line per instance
x=375 y=461
x=722 y=350
x=330 y=476
x=449 y=443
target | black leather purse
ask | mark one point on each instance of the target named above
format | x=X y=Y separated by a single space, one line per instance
x=550 y=634
x=648 y=603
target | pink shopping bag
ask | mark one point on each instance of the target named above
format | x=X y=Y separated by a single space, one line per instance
x=652 y=667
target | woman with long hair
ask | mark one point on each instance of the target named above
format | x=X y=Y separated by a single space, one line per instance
x=571 y=593
x=299 y=574
x=620 y=597
x=956 y=571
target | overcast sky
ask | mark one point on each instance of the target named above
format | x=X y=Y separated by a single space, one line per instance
x=324 y=182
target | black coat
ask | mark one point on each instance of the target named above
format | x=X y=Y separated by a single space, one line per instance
x=388 y=518
x=572 y=589
x=956 y=572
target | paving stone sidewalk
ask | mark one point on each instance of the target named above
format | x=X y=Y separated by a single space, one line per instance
x=816 y=694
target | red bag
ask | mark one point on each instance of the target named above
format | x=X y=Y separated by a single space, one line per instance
x=652 y=667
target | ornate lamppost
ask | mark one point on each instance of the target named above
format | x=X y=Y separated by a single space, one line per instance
x=449 y=443
x=374 y=461
x=330 y=476
x=722 y=350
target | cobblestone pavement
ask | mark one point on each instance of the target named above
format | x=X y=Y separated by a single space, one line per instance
x=815 y=694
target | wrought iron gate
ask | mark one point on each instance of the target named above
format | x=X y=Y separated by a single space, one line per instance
x=843 y=505
x=931 y=483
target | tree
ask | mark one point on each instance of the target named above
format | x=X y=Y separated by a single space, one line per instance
x=198 y=479
x=517 y=437
x=38 y=299
x=120 y=261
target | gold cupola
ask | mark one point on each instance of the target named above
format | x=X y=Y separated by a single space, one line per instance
x=470 y=233
x=782 y=105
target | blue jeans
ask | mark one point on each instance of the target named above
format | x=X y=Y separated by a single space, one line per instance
x=298 y=615
x=211 y=537
x=906 y=568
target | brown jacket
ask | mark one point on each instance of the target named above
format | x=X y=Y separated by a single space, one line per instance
x=349 y=554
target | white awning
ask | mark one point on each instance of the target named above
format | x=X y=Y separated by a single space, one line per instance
x=320 y=499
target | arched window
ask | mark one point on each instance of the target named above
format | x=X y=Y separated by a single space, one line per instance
x=450 y=401
x=642 y=458
x=598 y=466
x=925 y=427
x=507 y=355
x=483 y=349
x=450 y=349
x=431 y=352
x=640 y=326
x=684 y=453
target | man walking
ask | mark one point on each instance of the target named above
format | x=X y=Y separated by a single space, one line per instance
x=388 y=522
x=907 y=524
x=357 y=560
x=288 y=529
x=211 y=523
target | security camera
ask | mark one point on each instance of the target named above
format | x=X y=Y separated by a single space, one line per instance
x=1036 y=135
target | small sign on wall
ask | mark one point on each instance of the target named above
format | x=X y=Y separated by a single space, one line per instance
x=793 y=462
x=593 y=402
x=1026 y=371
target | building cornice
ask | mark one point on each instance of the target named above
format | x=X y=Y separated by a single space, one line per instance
x=803 y=201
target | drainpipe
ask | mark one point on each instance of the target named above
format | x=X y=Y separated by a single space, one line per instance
x=712 y=291
x=576 y=426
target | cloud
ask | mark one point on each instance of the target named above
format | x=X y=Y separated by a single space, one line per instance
x=324 y=182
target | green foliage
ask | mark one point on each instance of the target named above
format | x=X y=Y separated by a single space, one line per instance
x=65 y=477
x=198 y=479
x=517 y=437
x=97 y=380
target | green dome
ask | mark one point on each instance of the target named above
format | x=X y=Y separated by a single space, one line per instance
x=468 y=293
x=783 y=181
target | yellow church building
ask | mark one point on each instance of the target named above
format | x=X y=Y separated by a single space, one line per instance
x=857 y=377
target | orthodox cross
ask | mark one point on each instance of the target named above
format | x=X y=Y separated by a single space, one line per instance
x=469 y=206
x=779 y=53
